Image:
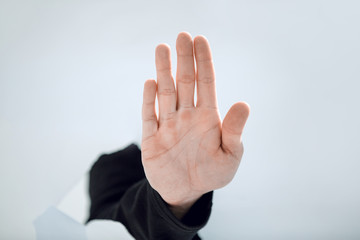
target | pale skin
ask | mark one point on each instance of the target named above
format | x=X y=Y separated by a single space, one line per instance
x=187 y=151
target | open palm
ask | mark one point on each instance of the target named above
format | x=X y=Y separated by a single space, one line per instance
x=186 y=150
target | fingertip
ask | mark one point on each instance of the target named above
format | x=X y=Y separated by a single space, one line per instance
x=243 y=107
x=150 y=82
x=200 y=39
x=162 y=57
x=184 y=44
x=240 y=112
x=202 y=48
x=149 y=88
x=184 y=36
x=162 y=48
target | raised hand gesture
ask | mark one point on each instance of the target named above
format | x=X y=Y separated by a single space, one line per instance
x=187 y=151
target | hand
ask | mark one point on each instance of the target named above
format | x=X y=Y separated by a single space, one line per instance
x=187 y=151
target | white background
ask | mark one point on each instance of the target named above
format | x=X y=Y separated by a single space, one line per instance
x=71 y=79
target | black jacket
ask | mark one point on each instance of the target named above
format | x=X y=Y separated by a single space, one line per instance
x=119 y=191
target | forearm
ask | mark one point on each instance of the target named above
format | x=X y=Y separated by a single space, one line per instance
x=147 y=216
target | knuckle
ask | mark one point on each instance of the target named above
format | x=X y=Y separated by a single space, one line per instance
x=186 y=78
x=149 y=119
x=166 y=91
x=206 y=79
x=205 y=61
x=148 y=103
x=164 y=70
x=168 y=116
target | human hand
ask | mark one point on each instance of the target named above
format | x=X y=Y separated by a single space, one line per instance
x=187 y=151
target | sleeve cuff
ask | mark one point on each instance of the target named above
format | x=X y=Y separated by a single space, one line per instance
x=195 y=219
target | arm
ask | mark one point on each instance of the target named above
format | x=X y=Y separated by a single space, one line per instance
x=147 y=216
x=187 y=151
x=119 y=191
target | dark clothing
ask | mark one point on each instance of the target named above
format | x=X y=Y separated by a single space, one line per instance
x=119 y=191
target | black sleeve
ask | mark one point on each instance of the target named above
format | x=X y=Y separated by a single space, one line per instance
x=119 y=191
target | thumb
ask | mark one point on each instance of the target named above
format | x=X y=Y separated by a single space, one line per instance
x=232 y=127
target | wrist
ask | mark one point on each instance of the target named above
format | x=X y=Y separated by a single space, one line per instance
x=181 y=207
